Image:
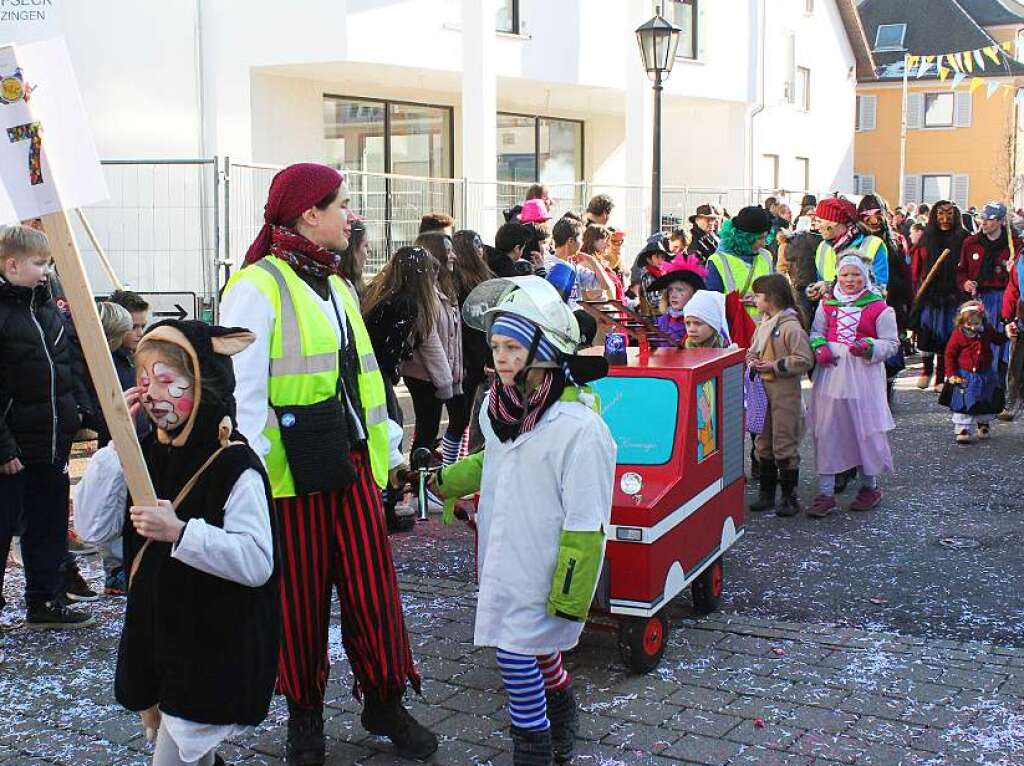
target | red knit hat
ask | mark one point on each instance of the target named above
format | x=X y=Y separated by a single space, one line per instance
x=836 y=210
x=293 y=191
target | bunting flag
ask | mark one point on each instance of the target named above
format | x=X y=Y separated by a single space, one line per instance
x=978 y=59
x=992 y=52
x=943 y=73
x=1008 y=45
x=992 y=87
x=968 y=61
x=923 y=69
x=976 y=82
x=911 y=61
x=954 y=61
x=958 y=78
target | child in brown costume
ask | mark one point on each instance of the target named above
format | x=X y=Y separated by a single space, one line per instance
x=780 y=353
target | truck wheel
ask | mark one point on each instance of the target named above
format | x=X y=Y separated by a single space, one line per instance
x=642 y=642
x=707 y=588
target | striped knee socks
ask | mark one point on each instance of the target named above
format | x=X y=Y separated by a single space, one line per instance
x=524 y=684
x=555 y=677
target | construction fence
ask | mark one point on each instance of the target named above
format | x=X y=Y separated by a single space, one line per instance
x=182 y=226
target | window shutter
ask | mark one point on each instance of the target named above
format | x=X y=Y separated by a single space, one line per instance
x=911 y=189
x=869 y=109
x=961 y=189
x=867 y=185
x=915 y=110
x=962 y=112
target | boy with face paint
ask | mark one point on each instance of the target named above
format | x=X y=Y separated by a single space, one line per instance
x=199 y=646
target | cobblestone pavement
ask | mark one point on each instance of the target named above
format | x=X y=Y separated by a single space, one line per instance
x=859 y=640
x=730 y=690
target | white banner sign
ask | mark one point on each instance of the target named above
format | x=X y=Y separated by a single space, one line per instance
x=48 y=160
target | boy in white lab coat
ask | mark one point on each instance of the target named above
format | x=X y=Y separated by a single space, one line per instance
x=545 y=481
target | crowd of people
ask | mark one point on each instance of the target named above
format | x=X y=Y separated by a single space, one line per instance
x=275 y=439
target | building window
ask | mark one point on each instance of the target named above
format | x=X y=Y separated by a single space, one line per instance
x=889 y=37
x=936 y=188
x=683 y=13
x=803 y=88
x=770 y=171
x=508 y=17
x=368 y=137
x=867 y=108
x=938 y=110
x=544 y=149
x=803 y=173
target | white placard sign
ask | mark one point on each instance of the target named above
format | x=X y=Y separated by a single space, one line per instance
x=48 y=160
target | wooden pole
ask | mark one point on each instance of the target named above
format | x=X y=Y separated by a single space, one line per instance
x=68 y=261
x=104 y=261
x=929 y=279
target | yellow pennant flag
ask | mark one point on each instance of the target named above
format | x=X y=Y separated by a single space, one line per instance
x=992 y=52
x=968 y=61
x=976 y=82
x=954 y=61
x=943 y=73
x=911 y=61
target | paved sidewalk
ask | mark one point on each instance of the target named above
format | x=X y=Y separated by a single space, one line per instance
x=729 y=691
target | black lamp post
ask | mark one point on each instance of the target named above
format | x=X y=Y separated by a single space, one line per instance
x=658 y=40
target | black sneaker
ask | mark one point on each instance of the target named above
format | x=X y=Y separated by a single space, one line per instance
x=306 y=746
x=75 y=586
x=56 y=616
x=390 y=719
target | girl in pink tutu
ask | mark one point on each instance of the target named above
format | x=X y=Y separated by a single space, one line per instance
x=853 y=333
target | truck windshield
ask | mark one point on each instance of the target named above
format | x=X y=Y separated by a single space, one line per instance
x=641 y=414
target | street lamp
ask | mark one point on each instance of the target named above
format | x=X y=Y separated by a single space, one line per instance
x=658 y=40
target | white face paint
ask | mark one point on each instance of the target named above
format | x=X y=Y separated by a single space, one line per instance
x=168 y=397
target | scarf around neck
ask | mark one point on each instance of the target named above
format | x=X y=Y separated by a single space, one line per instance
x=302 y=254
x=511 y=415
x=993 y=249
x=764 y=331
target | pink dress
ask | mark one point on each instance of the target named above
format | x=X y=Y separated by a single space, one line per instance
x=849 y=415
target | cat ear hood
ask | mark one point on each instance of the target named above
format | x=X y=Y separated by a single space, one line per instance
x=210 y=348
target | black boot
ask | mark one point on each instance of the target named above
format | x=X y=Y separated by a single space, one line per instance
x=564 y=718
x=389 y=718
x=305 y=736
x=769 y=481
x=789 y=478
x=755 y=465
x=396 y=522
x=531 y=748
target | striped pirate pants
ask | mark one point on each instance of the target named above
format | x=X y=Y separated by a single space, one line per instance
x=527 y=681
x=339 y=540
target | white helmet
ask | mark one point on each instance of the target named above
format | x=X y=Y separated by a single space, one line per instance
x=532 y=298
x=538 y=301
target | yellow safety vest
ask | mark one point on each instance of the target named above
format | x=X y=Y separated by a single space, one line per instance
x=736 y=272
x=825 y=259
x=304 y=364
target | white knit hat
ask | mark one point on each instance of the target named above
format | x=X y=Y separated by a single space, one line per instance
x=709 y=307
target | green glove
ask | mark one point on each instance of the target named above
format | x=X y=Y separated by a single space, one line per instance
x=458 y=480
x=580 y=555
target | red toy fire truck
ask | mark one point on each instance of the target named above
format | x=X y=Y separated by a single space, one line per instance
x=678 y=503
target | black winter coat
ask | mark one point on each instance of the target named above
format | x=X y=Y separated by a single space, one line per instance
x=391 y=325
x=40 y=399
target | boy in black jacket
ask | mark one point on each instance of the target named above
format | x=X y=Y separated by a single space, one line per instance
x=39 y=415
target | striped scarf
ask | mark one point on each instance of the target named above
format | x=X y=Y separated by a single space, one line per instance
x=511 y=416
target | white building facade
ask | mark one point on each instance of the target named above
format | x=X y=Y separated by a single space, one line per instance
x=485 y=92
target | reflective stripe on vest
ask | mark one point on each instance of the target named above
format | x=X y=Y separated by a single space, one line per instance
x=304 y=363
x=825 y=259
x=735 y=271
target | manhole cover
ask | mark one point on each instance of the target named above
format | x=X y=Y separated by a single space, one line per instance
x=960 y=542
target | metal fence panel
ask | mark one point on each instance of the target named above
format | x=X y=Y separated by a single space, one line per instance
x=159 y=227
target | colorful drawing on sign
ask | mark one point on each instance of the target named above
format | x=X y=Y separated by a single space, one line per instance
x=14 y=88
x=707 y=420
x=32 y=132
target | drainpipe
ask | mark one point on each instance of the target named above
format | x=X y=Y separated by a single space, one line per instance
x=200 y=83
x=757 y=43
